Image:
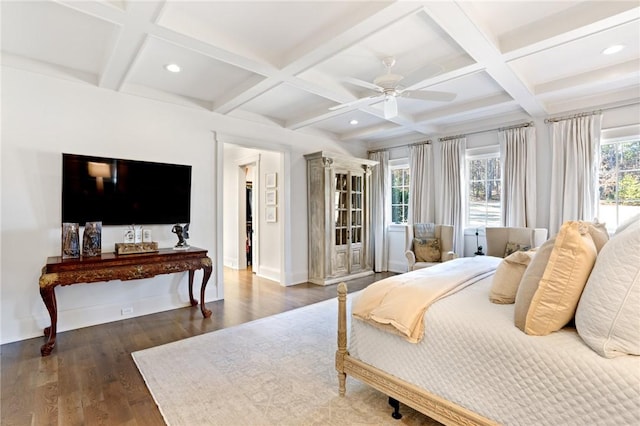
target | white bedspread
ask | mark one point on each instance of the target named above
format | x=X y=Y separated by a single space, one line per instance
x=474 y=356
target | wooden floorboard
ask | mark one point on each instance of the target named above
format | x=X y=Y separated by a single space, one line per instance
x=90 y=377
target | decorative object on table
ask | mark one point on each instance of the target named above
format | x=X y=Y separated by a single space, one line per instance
x=270 y=197
x=137 y=234
x=129 y=235
x=92 y=239
x=271 y=180
x=136 y=248
x=70 y=240
x=182 y=231
x=479 y=251
x=271 y=214
x=146 y=236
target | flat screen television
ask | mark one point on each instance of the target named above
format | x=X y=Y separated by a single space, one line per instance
x=124 y=192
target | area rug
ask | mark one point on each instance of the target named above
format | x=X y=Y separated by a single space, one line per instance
x=277 y=370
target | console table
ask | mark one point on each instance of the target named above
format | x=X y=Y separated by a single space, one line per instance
x=111 y=266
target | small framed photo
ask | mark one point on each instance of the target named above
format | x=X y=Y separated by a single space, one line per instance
x=270 y=214
x=270 y=197
x=129 y=236
x=271 y=180
x=146 y=236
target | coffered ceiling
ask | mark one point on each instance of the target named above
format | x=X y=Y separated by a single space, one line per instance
x=290 y=63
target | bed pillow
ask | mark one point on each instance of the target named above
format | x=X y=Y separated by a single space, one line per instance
x=529 y=282
x=427 y=250
x=514 y=247
x=624 y=225
x=555 y=300
x=599 y=234
x=608 y=315
x=508 y=275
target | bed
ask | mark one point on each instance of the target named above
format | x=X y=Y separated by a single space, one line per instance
x=473 y=366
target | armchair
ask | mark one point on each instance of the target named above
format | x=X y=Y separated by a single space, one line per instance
x=499 y=237
x=423 y=233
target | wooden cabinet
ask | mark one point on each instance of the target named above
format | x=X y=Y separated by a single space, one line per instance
x=338 y=206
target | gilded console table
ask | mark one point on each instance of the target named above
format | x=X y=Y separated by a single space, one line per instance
x=111 y=266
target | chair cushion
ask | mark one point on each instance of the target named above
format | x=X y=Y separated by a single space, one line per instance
x=508 y=276
x=558 y=291
x=608 y=318
x=427 y=250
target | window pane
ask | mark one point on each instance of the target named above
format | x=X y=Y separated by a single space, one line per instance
x=477 y=169
x=396 y=214
x=629 y=156
x=477 y=191
x=493 y=168
x=629 y=189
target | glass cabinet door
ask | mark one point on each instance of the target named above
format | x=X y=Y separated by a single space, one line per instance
x=356 y=209
x=341 y=207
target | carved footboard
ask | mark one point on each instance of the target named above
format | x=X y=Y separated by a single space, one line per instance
x=419 y=399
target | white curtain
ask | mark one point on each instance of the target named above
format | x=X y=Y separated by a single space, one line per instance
x=575 y=145
x=380 y=210
x=451 y=208
x=421 y=197
x=518 y=158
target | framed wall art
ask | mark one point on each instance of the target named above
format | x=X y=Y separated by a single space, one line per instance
x=271 y=180
x=270 y=197
x=271 y=214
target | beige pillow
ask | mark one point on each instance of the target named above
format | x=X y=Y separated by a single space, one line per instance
x=427 y=250
x=529 y=282
x=508 y=275
x=513 y=247
x=608 y=315
x=556 y=299
x=599 y=234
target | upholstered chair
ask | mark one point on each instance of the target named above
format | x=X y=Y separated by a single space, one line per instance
x=501 y=241
x=421 y=247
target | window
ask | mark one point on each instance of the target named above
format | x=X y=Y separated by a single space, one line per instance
x=619 y=181
x=399 y=193
x=484 y=190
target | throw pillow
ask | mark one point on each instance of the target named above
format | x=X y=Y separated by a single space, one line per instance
x=556 y=299
x=529 y=282
x=599 y=234
x=427 y=250
x=627 y=223
x=508 y=276
x=513 y=247
x=608 y=318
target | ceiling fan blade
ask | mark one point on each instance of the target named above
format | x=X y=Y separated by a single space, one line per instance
x=356 y=103
x=390 y=107
x=429 y=95
x=361 y=83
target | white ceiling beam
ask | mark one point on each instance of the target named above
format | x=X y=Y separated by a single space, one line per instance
x=553 y=32
x=468 y=35
x=467 y=108
x=616 y=72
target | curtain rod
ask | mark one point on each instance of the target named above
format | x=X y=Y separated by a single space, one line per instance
x=428 y=142
x=588 y=113
x=516 y=126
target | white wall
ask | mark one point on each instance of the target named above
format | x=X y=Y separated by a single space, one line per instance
x=43 y=117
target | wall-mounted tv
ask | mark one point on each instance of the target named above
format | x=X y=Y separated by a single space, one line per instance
x=124 y=192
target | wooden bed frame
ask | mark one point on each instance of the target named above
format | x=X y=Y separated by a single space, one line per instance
x=419 y=399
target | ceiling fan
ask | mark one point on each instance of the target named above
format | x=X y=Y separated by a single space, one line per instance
x=388 y=88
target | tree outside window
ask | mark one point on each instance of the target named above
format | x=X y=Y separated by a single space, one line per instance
x=484 y=191
x=399 y=194
x=619 y=181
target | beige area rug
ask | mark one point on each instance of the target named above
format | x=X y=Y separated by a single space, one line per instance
x=273 y=371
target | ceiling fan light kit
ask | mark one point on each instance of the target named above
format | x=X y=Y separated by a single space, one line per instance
x=388 y=88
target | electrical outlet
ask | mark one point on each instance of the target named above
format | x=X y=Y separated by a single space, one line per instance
x=127 y=311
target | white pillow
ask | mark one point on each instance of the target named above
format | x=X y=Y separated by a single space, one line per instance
x=624 y=225
x=608 y=314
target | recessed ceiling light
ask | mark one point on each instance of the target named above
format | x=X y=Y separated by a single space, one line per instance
x=353 y=122
x=612 y=49
x=172 y=67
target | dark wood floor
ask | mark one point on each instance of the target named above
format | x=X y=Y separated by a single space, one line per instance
x=91 y=379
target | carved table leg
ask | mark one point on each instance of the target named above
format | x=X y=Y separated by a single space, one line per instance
x=193 y=301
x=49 y=298
x=207 y=268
